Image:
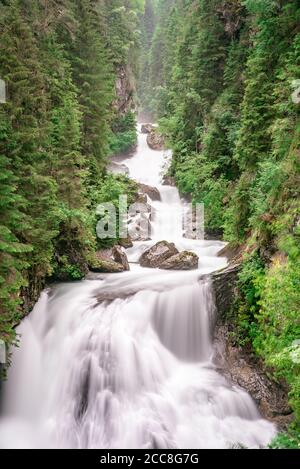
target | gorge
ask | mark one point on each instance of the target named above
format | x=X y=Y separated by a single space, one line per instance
x=134 y=371
x=188 y=335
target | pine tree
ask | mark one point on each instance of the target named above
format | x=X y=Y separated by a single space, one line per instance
x=11 y=250
x=93 y=77
x=27 y=112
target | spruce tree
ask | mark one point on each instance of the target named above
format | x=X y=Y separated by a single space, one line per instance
x=93 y=77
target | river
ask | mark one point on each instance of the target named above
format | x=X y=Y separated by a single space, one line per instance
x=125 y=360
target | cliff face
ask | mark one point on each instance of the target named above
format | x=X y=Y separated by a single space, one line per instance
x=125 y=90
x=240 y=364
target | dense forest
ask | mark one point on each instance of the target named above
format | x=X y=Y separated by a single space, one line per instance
x=221 y=78
x=69 y=68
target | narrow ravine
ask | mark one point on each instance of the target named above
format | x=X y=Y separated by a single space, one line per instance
x=125 y=360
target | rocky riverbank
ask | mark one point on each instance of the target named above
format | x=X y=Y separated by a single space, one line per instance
x=239 y=363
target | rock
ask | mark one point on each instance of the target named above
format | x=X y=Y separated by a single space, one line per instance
x=124 y=101
x=224 y=284
x=126 y=243
x=141 y=199
x=152 y=192
x=239 y=364
x=233 y=253
x=108 y=267
x=117 y=168
x=120 y=257
x=157 y=254
x=242 y=368
x=155 y=141
x=183 y=261
x=216 y=235
x=104 y=254
x=169 y=181
x=147 y=128
x=102 y=263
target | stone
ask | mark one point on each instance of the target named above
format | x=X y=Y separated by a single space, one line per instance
x=155 y=141
x=147 y=128
x=107 y=267
x=157 y=254
x=152 y=192
x=183 y=261
x=239 y=364
x=169 y=181
x=224 y=284
x=141 y=199
x=117 y=168
x=103 y=263
x=242 y=368
x=120 y=257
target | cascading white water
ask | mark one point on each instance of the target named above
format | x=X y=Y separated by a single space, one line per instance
x=168 y=215
x=125 y=361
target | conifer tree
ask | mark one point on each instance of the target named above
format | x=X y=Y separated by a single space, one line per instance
x=12 y=252
x=93 y=77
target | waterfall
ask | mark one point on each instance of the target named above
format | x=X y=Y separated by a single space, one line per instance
x=130 y=373
x=125 y=361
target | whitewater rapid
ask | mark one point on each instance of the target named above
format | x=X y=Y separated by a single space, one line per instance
x=126 y=360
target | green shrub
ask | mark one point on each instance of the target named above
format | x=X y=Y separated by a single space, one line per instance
x=289 y=440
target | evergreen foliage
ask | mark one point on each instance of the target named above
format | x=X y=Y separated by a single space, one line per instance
x=60 y=61
x=222 y=75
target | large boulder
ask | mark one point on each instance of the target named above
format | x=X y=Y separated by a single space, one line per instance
x=147 y=128
x=106 y=267
x=120 y=257
x=155 y=141
x=152 y=192
x=156 y=255
x=183 y=261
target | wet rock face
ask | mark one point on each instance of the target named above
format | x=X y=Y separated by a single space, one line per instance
x=155 y=141
x=224 y=285
x=120 y=257
x=239 y=364
x=156 y=255
x=124 y=101
x=243 y=368
x=183 y=261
